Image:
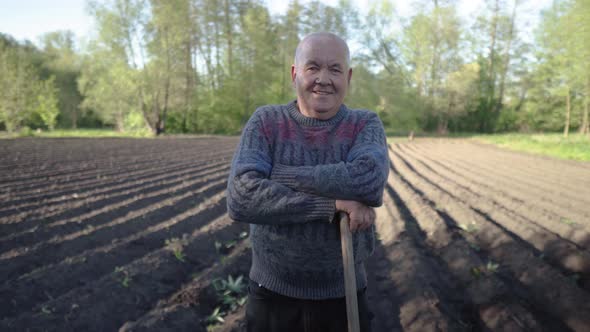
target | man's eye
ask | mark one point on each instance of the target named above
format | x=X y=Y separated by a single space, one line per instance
x=336 y=70
x=312 y=68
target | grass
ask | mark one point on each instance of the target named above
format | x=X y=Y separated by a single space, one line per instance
x=80 y=133
x=575 y=147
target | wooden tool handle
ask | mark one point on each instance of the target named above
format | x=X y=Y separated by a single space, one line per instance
x=352 y=312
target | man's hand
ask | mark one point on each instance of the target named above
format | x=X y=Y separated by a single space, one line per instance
x=361 y=216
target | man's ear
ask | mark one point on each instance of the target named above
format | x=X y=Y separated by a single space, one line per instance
x=293 y=73
x=349 y=75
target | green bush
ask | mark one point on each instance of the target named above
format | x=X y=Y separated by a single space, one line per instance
x=25 y=131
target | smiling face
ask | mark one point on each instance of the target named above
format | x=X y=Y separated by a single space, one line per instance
x=321 y=75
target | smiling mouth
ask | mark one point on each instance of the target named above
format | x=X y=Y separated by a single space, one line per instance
x=322 y=93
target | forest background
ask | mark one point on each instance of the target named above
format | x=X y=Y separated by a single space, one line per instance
x=203 y=66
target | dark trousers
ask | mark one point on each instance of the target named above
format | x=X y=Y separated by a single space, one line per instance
x=268 y=311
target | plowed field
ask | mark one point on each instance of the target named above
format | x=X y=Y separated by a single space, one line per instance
x=130 y=234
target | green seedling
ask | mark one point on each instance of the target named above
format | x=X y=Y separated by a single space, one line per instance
x=215 y=317
x=476 y=272
x=223 y=248
x=492 y=267
x=487 y=269
x=46 y=310
x=233 y=302
x=126 y=278
x=568 y=222
x=230 y=302
x=232 y=285
x=469 y=228
x=179 y=255
x=242 y=300
x=231 y=292
x=176 y=245
x=474 y=246
x=125 y=281
x=236 y=285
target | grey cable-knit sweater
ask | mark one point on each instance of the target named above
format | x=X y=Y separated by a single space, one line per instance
x=286 y=174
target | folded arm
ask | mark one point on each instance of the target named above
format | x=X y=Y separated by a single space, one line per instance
x=361 y=177
x=253 y=198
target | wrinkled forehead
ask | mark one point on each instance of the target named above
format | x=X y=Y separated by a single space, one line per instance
x=322 y=49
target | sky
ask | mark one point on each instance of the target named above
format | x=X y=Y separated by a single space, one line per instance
x=29 y=19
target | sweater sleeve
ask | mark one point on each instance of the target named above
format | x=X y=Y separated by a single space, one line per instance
x=361 y=177
x=253 y=198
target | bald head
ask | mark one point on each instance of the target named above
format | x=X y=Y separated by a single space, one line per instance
x=319 y=38
x=321 y=74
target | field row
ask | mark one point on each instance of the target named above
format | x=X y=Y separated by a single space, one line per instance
x=155 y=236
x=462 y=255
x=470 y=238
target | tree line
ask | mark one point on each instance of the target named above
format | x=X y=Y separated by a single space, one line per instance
x=203 y=66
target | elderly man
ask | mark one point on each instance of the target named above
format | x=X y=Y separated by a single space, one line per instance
x=296 y=166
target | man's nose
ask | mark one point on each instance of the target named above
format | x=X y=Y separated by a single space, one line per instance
x=323 y=77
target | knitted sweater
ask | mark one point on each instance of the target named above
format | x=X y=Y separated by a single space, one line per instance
x=285 y=176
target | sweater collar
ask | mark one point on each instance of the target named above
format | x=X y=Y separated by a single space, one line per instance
x=312 y=122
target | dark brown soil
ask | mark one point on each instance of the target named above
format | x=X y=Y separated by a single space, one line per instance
x=471 y=237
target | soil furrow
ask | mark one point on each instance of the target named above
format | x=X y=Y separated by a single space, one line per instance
x=486 y=292
x=150 y=278
x=93 y=263
x=517 y=173
x=95 y=176
x=559 y=252
x=34 y=178
x=470 y=237
x=521 y=169
x=382 y=296
x=96 y=209
x=513 y=187
x=561 y=177
x=494 y=199
x=81 y=198
x=115 y=159
x=568 y=302
x=57 y=247
x=425 y=303
x=196 y=299
x=84 y=195
x=57 y=191
x=191 y=214
x=110 y=152
x=541 y=165
x=535 y=165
